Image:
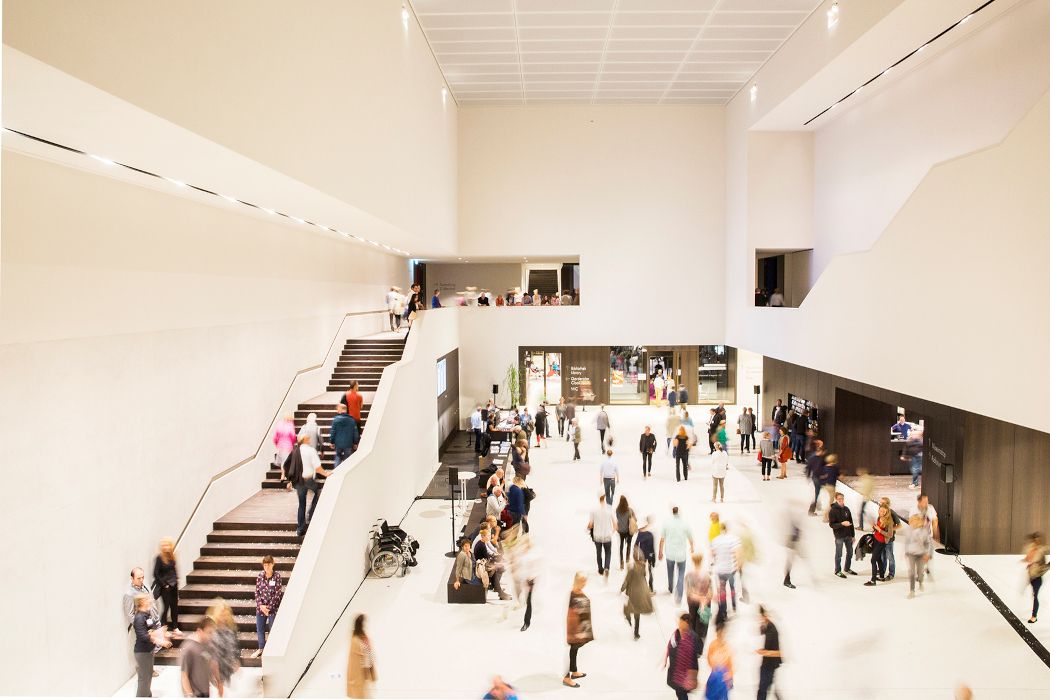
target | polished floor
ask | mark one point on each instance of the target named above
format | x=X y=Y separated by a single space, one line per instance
x=840 y=639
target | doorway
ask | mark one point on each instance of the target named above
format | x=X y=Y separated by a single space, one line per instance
x=664 y=371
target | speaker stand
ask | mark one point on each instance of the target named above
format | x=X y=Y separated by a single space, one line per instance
x=455 y=550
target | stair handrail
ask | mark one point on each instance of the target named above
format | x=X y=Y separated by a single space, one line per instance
x=266 y=435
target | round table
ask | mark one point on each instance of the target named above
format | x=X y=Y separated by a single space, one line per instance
x=464 y=479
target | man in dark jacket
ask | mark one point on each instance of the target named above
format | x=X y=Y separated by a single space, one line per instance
x=647 y=446
x=815 y=471
x=344 y=435
x=841 y=520
x=779 y=414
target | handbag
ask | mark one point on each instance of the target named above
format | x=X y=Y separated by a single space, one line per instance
x=482 y=573
x=705 y=615
x=632 y=524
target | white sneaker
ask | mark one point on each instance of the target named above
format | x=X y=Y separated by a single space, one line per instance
x=911 y=595
x=257 y=653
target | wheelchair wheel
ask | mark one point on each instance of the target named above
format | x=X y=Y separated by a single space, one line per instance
x=385 y=564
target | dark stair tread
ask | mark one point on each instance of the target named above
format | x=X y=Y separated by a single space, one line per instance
x=235 y=563
x=281 y=536
x=222 y=590
x=250 y=525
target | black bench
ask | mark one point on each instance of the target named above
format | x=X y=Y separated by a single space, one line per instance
x=468 y=593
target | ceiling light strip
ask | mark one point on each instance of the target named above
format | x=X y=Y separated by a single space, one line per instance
x=898 y=62
x=605 y=48
x=517 y=47
x=181 y=184
x=433 y=55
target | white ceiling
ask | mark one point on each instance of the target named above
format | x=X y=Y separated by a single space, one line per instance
x=580 y=51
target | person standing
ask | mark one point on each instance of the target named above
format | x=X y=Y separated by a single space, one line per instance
x=601 y=422
x=146 y=625
x=435 y=301
x=610 y=474
x=394 y=307
x=779 y=414
x=541 y=424
x=765 y=456
x=343 y=435
x=559 y=412
x=674 y=537
x=776 y=299
x=1035 y=553
x=917 y=546
x=681 y=454
x=626 y=526
x=361 y=665
x=754 y=426
x=476 y=424
x=516 y=501
x=770 y=653
x=269 y=590
x=882 y=529
x=698 y=598
x=136 y=588
x=719 y=466
x=672 y=395
x=783 y=453
x=570 y=416
x=744 y=428
x=674 y=422
x=683 y=397
x=890 y=564
x=682 y=659
x=601 y=526
x=354 y=402
x=639 y=602
x=196 y=662
x=712 y=430
x=166 y=584
x=578 y=627
x=841 y=520
x=577 y=438
x=647 y=446
x=726 y=551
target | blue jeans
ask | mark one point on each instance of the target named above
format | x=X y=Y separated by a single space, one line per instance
x=263 y=623
x=672 y=586
x=722 y=580
x=610 y=489
x=303 y=517
x=916 y=469
x=841 y=542
x=341 y=455
x=889 y=563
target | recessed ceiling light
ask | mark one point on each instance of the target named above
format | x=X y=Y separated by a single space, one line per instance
x=404 y=16
x=966 y=18
x=228 y=198
x=754 y=92
x=100 y=159
x=173 y=181
x=268 y=211
x=296 y=218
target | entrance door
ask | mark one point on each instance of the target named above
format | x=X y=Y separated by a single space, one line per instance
x=664 y=366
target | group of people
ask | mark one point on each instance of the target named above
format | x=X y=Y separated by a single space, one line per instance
x=472 y=296
x=209 y=655
x=764 y=298
x=404 y=307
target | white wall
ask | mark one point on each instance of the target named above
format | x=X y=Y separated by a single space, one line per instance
x=338 y=95
x=496 y=277
x=380 y=481
x=637 y=191
x=146 y=341
x=960 y=257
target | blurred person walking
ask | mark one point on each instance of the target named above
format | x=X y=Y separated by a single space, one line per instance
x=829 y=478
x=570 y=416
x=166 y=584
x=726 y=552
x=195 y=662
x=675 y=535
x=698 y=598
x=609 y=474
x=577 y=438
x=542 y=428
x=284 y=438
x=719 y=466
x=1035 y=554
x=720 y=661
x=579 y=630
x=223 y=646
x=672 y=424
x=645 y=545
x=925 y=510
x=311 y=428
x=601 y=526
x=394 y=307
x=815 y=471
x=681 y=454
x=626 y=527
x=917 y=545
x=639 y=602
x=343 y=435
x=770 y=653
x=682 y=659
x=647 y=446
x=361 y=664
x=601 y=422
x=304 y=467
x=866 y=488
x=354 y=402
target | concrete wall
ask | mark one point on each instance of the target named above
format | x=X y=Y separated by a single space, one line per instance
x=635 y=190
x=496 y=277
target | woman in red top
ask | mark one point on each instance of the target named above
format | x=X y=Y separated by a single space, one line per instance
x=882 y=530
x=783 y=452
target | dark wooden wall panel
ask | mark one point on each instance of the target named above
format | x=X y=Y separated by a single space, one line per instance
x=1031 y=491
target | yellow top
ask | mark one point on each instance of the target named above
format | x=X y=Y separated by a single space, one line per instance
x=714 y=531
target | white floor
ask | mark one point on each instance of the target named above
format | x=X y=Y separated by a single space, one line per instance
x=841 y=640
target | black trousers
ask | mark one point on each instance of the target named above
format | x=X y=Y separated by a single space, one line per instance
x=170 y=598
x=745 y=441
x=765 y=681
x=696 y=625
x=574 y=649
x=561 y=426
x=528 y=604
x=767 y=466
x=681 y=466
x=601 y=434
x=637 y=620
x=878 y=560
x=647 y=463
x=576 y=451
x=625 y=546
x=599 y=548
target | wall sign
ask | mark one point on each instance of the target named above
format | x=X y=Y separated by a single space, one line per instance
x=798 y=404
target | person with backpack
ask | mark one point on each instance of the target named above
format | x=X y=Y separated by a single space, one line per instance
x=541 y=424
x=626 y=527
x=301 y=472
x=645 y=547
x=343 y=435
